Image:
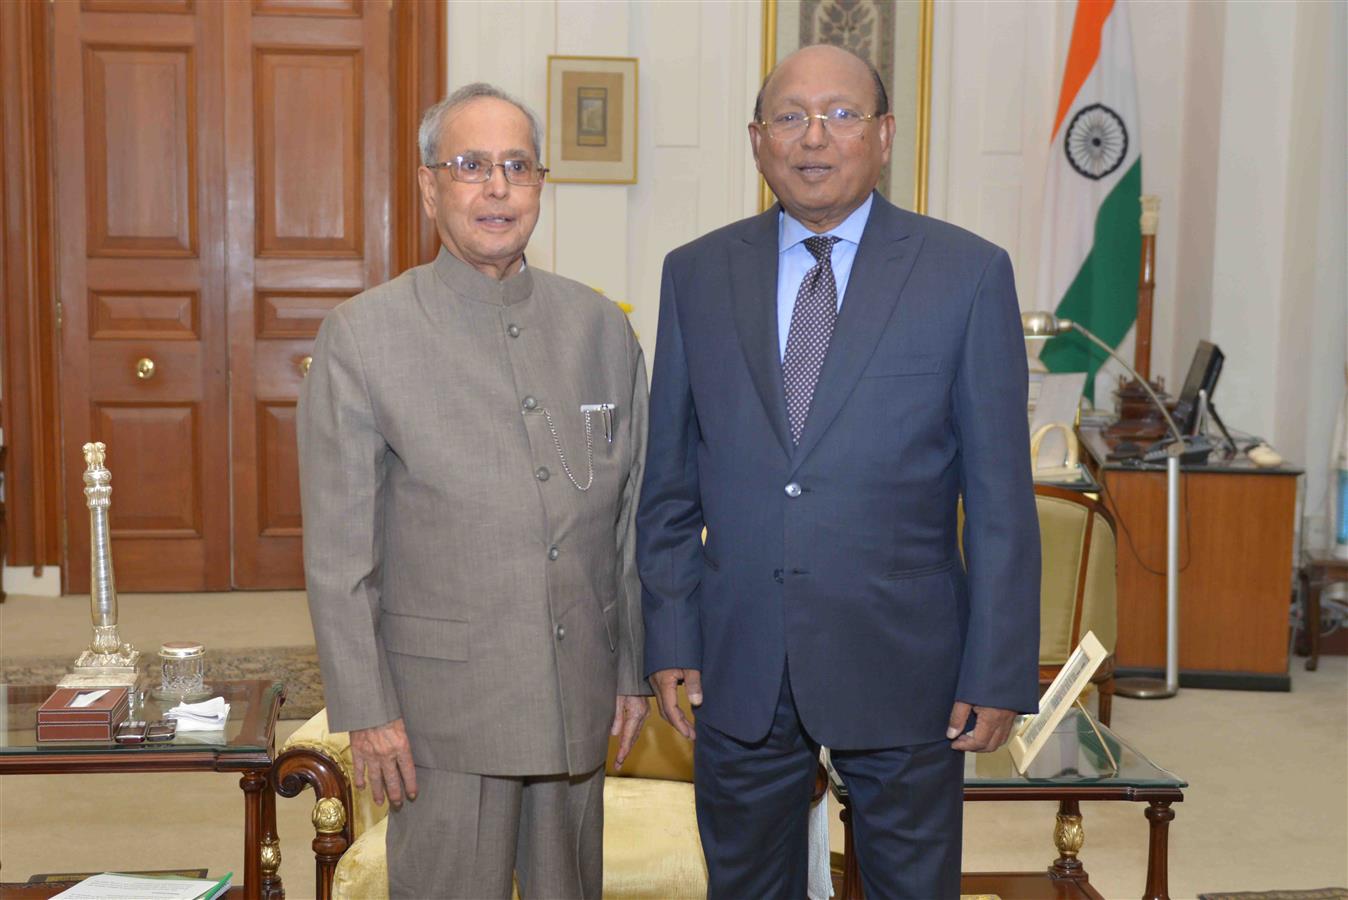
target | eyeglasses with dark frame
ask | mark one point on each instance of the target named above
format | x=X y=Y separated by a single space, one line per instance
x=478 y=169
x=792 y=124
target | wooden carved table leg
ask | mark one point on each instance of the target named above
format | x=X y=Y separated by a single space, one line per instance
x=1159 y=814
x=1068 y=836
x=253 y=784
x=272 y=889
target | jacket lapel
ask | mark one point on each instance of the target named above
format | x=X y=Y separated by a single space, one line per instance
x=883 y=263
x=753 y=274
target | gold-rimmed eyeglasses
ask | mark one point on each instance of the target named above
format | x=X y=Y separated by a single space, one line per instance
x=792 y=124
x=477 y=169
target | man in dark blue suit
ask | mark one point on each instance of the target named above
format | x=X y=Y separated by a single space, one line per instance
x=831 y=377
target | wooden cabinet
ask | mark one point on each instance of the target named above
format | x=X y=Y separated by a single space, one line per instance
x=1237 y=529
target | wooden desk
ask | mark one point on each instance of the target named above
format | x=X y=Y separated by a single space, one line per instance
x=1237 y=526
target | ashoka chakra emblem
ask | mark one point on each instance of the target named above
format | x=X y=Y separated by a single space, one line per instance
x=1096 y=141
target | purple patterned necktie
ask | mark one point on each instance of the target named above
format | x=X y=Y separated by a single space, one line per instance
x=811 y=329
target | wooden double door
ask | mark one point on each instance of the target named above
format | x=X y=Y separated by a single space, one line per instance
x=226 y=173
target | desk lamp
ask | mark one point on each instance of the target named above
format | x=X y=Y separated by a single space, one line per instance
x=1041 y=325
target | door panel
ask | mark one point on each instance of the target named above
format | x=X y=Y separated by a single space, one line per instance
x=307 y=7
x=278 y=469
x=137 y=6
x=308 y=154
x=139 y=112
x=162 y=315
x=293 y=314
x=307 y=128
x=169 y=505
x=143 y=280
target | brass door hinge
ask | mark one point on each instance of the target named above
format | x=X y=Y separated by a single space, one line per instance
x=60 y=315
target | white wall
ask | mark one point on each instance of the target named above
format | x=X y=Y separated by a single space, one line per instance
x=698 y=71
x=1242 y=107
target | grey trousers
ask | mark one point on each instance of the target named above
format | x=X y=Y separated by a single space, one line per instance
x=465 y=835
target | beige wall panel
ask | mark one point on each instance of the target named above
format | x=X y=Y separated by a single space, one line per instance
x=669 y=63
x=1003 y=105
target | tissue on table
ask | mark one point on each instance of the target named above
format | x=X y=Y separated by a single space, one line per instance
x=208 y=715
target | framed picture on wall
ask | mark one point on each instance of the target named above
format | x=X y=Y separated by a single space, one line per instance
x=592 y=120
x=892 y=35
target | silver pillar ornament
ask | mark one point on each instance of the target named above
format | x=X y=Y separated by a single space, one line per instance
x=107 y=661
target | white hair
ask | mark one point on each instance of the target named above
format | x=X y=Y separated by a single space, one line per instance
x=429 y=131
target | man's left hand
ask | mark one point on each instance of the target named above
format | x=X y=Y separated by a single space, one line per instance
x=628 y=716
x=991 y=729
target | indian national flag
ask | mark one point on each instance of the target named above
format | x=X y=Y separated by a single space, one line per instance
x=1092 y=239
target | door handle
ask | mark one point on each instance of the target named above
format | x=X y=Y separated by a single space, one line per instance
x=304 y=363
x=145 y=368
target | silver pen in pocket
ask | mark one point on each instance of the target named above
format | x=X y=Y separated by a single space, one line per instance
x=604 y=409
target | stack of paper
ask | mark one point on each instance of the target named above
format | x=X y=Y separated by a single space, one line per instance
x=208 y=715
x=112 y=886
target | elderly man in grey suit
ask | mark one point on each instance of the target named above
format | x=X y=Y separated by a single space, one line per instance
x=471 y=439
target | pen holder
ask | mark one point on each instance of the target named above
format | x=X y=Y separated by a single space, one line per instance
x=182 y=668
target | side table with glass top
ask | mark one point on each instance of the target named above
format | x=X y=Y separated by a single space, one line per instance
x=246 y=745
x=1072 y=767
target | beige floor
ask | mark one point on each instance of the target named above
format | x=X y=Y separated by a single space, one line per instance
x=1267 y=807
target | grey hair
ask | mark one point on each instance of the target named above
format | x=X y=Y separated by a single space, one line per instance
x=428 y=134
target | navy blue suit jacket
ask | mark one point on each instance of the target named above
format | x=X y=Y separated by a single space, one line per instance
x=841 y=554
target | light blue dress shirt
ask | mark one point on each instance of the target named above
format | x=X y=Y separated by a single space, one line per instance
x=794 y=260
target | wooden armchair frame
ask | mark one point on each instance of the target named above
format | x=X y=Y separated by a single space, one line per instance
x=305 y=765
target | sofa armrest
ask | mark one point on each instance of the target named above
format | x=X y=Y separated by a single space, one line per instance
x=361 y=810
x=307 y=759
x=300 y=765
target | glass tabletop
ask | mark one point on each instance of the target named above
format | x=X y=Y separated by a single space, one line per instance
x=249 y=729
x=1072 y=757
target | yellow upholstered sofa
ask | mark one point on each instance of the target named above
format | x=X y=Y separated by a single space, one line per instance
x=651 y=843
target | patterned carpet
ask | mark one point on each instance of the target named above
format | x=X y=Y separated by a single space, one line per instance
x=296 y=666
